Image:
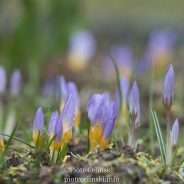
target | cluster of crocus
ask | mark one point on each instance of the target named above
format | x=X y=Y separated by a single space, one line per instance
x=82 y=47
x=60 y=126
x=67 y=89
x=102 y=116
x=15 y=82
x=167 y=99
x=134 y=109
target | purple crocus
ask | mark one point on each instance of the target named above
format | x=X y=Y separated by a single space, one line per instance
x=38 y=129
x=3 y=80
x=134 y=105
x=101 y=112
x=58 y=129
x=52 y=123
x=168 y=87
x=15 y=83
x=95 y=108
x=82 y=47
x=123 y=57
x=72 y=88
x=68 y=114
x=109 y=121
x=174 y=133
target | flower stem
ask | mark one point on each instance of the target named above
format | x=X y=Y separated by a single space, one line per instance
x=131 y=140
x=169 y=146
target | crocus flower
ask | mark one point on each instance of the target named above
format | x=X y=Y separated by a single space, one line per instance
x=3 y=80
x=38 y=130
x=68 y=116
x=52 y=123
x=123 y=57
x=168 y=88
x=58 y=132
x=99 y=111
x=159 y=51
x=174 y=133
x=15 y=83
x=82 y=47
x=1 y=144
x=134 y=106
x=64 y=91
x=108 y=125
x=72 y=88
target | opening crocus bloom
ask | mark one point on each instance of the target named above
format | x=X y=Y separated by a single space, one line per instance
x=134 y=105
x=99 y=109
x=68 y=116
x=38 y=130
x=1 y=145
x=174 y=133
x=15 y=83
x=3 y=80
x=168 y=87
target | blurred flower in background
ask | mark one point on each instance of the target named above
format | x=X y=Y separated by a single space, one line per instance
x=123 y=56
x=159 y=51
x=82 y=48
x=15 y=83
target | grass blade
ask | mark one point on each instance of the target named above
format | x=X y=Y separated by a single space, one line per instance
x=159 y=137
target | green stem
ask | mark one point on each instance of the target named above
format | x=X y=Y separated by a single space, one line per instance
x=169 y=146
x=132 y=140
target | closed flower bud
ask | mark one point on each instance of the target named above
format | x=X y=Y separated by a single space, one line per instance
x=38 y=130
x=134 y=106
x=168 y=87
x=174 y=133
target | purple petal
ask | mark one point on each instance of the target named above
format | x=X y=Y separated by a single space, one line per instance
x=3 y=80
x=95 y=108
x=82 y=44
x=134 y=105
x=68 y=113
x=58 y=129
x=64 y=88
x=168 y=86
x=39 y=120
x=175 y=133
x=15 y=83
x=109 y=120
x=123 y=56
x=124 y=87
x=72 y=88
x=52 y=123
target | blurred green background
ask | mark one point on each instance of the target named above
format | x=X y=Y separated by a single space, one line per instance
x=33 y=32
